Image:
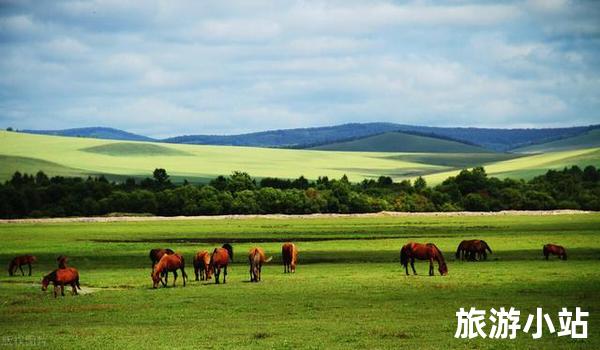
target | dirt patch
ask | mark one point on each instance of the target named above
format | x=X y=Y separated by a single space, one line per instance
x=307 y=216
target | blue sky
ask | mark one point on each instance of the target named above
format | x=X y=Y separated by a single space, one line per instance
x=164 y=68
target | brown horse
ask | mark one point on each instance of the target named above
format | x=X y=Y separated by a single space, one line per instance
x=219 y=259
x=429 y=251
x=168 y=263
x=289 y=255
x=59 y=278
x=256 y=259
x=18 y=262
x=157 y=254
x=202 y=265
x=473 y=250
x=554 y=249
x=62 y=261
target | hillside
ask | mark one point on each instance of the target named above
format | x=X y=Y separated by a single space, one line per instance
x=93 y=132
x=492 y=139
x=69 y=156
x=401 y=142
x=588 y=139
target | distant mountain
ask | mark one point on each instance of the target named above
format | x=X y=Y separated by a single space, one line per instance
x=93 y=132
x=587 y=139
x=493 y=139
x=402 y=142
x=296 y=138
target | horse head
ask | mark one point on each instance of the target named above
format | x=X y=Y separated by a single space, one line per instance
x=45 y=283
x=443 y=268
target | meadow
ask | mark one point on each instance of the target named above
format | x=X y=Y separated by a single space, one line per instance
x=349 y=290
x=72 y=156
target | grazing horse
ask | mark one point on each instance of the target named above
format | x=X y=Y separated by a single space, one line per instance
x=168 y=263
x=256 y=258
x=219 y=259
x=289 y=255
x=429 y=251
x=555 y=250
x=229 y=250
x=202 y=265
x=18 y=262
x=157 y=253
x=62 y=261
x=60 y=277
x=472 y=250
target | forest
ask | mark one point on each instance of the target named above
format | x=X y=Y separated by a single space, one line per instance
x=32 y=196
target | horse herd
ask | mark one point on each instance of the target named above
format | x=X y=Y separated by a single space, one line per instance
x=165 y=260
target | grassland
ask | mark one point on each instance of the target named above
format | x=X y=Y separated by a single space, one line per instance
x=349 y=290
x=71 y=156
x=402 y=142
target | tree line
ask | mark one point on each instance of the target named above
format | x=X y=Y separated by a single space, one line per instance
x=38 y=195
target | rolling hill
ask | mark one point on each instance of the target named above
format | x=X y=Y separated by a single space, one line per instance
x=587 y=139
x=93 y=132
x=401 y=142
x=69 y=156
x=492 y=139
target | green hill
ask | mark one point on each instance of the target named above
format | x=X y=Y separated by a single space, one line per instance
x=76 y=156
x=401 y=142
x=588 y=139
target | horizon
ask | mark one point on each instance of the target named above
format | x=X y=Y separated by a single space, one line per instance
x=299 y=128
x=168 y=69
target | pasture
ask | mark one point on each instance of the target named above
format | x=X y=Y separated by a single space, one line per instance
x=349 y=290
x=72 y=156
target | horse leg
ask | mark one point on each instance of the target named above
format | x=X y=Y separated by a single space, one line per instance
x=406 y=268
x=225 y=275
x=196 y=269
x=62 y=289
x=251 y=272
x=55 y=287
x=29 y=269
x=183 y=275
x=21 y=268
x=74 y=289
x=259 y=272
x=430 y=266
x=174 y=277
x=412 y=264
x=217 y=274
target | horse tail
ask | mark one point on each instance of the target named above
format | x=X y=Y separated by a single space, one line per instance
x=268 y=259
x=77 y=283
x=11 y=266
x=486 y=246
x=404 y=256
x=564 y=254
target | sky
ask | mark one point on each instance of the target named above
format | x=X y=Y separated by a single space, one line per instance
x=166 y=68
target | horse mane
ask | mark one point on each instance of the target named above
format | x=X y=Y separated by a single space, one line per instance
x=439 y=256
x=51 y=276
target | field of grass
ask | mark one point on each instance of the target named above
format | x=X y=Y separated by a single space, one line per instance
x=402 y=142
x=72 y=156
x=349 y=290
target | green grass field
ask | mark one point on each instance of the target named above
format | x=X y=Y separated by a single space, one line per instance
x=71 y=156
x=349 y=290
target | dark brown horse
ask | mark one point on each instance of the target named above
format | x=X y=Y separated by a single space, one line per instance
x=202 y=265
x=256 y=259
x=219 y=259
x=289 y=255
x=472 y=250
x=168 y=263
x=429 y=251
x=18 y=262
x=62 y=261
x=554 y=249
x=60 y=278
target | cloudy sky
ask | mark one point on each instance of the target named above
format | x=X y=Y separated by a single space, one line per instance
x=164 y=68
